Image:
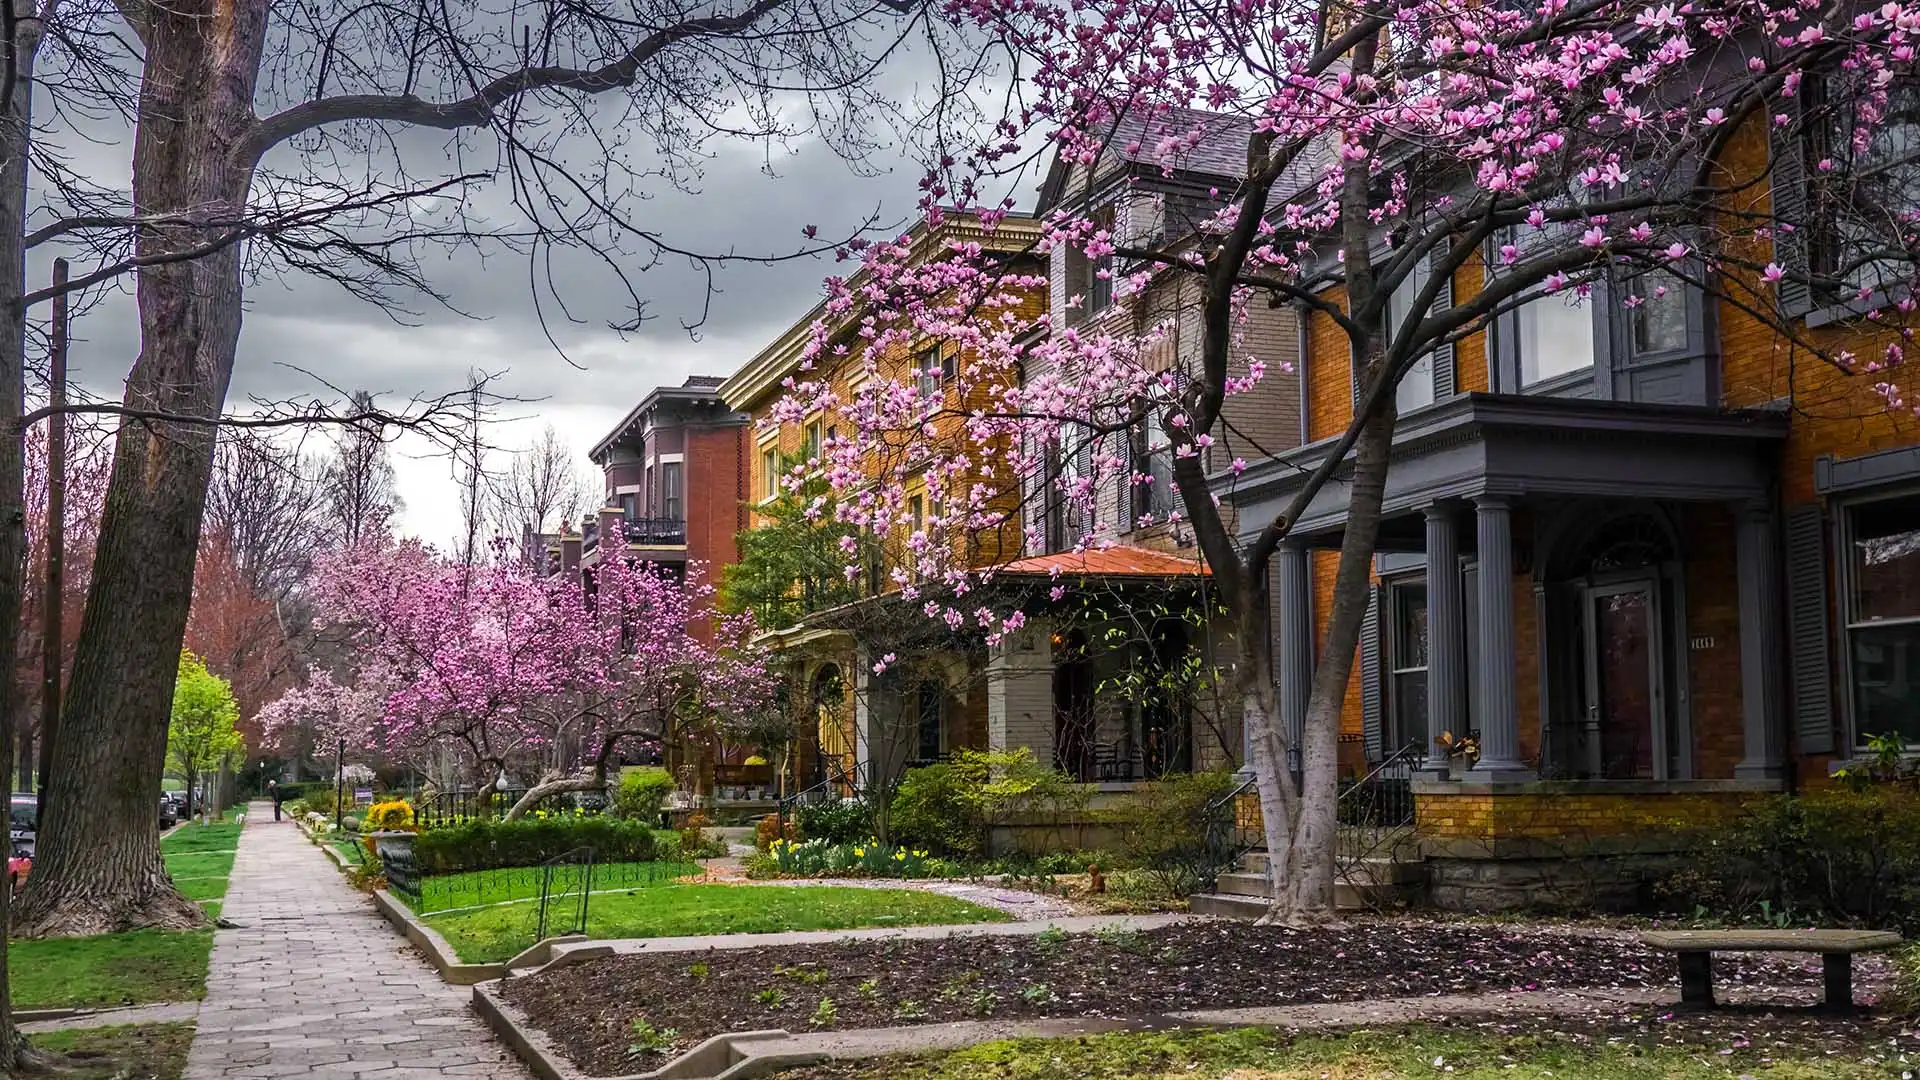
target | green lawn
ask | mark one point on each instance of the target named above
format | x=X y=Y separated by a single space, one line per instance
x=140 y=967
x=195 y=864
x=203 y=888
x=136 y=968
x=195 y=837
x=155 y=1051
x=1404 y=1054
x=497 y=933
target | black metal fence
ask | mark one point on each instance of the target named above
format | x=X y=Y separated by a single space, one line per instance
x=481 y=888
x=454 y=807
x=566 y=887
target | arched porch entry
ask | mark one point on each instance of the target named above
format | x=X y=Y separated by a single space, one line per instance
x=1613 y=616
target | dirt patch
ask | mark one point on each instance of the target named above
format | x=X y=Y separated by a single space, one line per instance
x=591 y=1010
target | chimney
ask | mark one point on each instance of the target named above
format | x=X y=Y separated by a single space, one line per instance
x=570 y=553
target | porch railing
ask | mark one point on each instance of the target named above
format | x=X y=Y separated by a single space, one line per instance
x=1227 y=839
x=656 y=532
x=836 y=784
x=1376 y=812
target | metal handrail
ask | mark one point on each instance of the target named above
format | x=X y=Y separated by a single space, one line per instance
x=836 y=777
x=1410 y=753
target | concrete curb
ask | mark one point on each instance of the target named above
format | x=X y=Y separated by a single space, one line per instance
x=754 y=1054
x=719 y=1056
x=40 y=1021
x=433 y=946
x=568 y=954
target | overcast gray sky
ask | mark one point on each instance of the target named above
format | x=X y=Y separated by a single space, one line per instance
x=747 y=198
x=313 y=325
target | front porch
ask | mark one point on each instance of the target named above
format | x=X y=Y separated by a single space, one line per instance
x=1575 y=636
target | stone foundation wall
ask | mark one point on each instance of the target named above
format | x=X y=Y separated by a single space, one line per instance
x=1617 y=882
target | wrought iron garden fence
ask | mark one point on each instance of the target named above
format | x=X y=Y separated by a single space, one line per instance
x=566 y=888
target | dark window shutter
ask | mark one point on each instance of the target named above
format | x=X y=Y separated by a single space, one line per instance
x=1807 y=629
x=1372 y=667
x=1444 y=385
x=1788 y=193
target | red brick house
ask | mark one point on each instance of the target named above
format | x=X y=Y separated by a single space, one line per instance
x=1659 y=561
x=676 y=473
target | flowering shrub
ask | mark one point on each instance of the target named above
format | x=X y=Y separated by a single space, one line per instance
x=393 y=814
x=818 y=858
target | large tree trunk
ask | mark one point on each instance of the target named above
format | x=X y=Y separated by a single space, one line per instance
x=15 y=135
x=101 y=868
x=1310 y=886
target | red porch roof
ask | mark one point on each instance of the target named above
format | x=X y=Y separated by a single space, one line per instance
x=1118 y=561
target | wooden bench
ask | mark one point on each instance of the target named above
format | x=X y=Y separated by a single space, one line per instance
x=1695 y=949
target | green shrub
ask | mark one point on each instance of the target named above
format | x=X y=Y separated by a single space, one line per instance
x=953 y=807
x=641 y=794
x=488 y=845
x=1840 y=854
x=320 y=799
x=1903 y=999
x=839 y=822
x=1163 y=831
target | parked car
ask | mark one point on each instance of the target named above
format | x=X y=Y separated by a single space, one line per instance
x=23 y=814
x=169 y=814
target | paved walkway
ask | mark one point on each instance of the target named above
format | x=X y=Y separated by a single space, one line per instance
x=313 y=982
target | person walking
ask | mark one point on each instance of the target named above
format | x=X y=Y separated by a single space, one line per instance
x=273 y=792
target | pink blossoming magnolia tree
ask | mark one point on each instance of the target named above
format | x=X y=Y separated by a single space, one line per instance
x=507 y=670
x=1587 y=148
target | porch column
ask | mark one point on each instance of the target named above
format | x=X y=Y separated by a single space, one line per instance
x=1757 y=552
x=1446 y=638
x=1294 y=654
x=1498 y=698
x=1020 y=692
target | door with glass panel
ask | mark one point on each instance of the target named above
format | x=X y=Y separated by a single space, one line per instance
x=1626 y=681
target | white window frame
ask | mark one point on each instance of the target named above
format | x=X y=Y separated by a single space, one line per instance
x=1844 y=572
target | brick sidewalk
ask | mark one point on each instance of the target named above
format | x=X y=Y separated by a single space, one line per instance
x=314 y=983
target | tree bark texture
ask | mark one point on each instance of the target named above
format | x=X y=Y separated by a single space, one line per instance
x=100 y=868
x=15 y=135
x=1310 y=887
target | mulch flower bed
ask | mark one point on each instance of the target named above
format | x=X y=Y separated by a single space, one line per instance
x=590 y=1010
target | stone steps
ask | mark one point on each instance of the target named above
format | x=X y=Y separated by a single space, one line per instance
x=1364 y=885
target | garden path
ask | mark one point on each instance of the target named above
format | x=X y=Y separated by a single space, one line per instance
x=311 y=981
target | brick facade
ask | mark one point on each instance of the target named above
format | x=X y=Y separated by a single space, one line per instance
x=1833 y=412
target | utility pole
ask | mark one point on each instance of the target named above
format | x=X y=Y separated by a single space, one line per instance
x=50 y=649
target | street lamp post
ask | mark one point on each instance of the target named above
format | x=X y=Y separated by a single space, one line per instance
x=339 y=780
